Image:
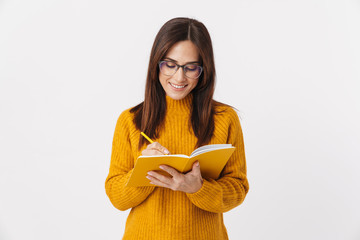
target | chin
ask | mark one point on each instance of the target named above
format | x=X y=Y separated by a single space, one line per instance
x=177 y=96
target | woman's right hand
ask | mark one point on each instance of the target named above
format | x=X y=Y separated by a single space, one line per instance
x=155 y=148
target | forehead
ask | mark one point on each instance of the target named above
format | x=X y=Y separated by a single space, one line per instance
x=183 y=52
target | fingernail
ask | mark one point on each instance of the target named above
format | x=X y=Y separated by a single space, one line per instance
x=166 y=151
x=197 y=164
x=161 y=167
x=149 y=173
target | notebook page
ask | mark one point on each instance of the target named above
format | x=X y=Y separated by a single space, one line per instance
x=210 y=147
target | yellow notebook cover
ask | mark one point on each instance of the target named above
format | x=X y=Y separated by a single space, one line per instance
x=212 y=159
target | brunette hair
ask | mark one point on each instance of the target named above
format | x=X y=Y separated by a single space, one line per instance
x=150 y=114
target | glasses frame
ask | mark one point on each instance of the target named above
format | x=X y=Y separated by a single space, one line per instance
x=180 y=66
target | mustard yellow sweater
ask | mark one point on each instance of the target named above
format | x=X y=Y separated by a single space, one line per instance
x=161 y=213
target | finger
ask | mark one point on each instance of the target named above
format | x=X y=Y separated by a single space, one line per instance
x=159 y=147
x=196 y=168
x=151 y=145
x=160 y=177
x=172 y=171
x=162 y=151
x=156 y=181
x=151 y=152
x=154 y=145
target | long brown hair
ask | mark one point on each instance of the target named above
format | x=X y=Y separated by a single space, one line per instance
x=150 y=114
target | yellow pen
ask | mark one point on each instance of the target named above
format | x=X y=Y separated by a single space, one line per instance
x=151 y=141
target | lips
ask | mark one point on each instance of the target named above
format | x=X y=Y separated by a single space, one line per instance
x=178 y=86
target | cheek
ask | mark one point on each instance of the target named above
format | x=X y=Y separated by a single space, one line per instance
x=194 y=84
x=162 y=79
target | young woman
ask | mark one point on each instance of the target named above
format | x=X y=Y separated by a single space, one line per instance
x=179 y=114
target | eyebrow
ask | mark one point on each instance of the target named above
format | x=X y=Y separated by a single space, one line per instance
x=185 y=63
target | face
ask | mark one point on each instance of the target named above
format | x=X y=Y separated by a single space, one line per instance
x=178 y=86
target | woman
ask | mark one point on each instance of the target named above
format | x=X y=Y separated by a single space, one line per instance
x=180 y=115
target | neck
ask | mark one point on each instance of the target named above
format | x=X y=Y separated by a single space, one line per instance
x=183 y=105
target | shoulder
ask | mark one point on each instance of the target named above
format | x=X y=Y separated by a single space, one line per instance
x=226 y=113
x=125 y=116
x=227 y=121
x=126 y=119
x=129 y=113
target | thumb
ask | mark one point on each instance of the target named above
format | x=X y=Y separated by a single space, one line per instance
x=196 y=168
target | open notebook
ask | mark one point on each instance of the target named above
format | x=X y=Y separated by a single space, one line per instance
x=212 y=159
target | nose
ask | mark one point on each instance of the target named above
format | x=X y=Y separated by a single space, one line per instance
x=179 y=76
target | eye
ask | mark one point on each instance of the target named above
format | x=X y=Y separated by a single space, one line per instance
x=191 y=67
x=170 y=64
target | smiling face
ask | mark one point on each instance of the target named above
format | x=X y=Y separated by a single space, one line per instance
x=178 y=86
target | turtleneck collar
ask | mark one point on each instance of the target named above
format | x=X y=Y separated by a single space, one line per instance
x=183 y=105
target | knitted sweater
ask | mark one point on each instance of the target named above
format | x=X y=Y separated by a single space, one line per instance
x=161 y=213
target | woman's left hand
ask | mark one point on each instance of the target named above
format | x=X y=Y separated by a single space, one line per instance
x=190 y=182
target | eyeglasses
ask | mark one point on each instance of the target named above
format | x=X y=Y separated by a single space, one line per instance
x=169 y=68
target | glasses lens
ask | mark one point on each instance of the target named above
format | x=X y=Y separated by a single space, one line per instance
x=192 y=71
x=168 y=68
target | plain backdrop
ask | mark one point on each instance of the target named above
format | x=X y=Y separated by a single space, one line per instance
x=69 y=68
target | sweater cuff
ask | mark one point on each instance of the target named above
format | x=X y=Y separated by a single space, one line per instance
x=202 y=194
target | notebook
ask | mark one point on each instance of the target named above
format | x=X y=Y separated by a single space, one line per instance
x=212 y=159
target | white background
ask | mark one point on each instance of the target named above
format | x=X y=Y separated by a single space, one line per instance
x=69 y=68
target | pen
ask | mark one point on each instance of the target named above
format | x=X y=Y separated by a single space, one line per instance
x=151 y=141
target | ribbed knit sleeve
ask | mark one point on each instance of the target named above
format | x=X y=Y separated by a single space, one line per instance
x=230 y=189
x=121 y=167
